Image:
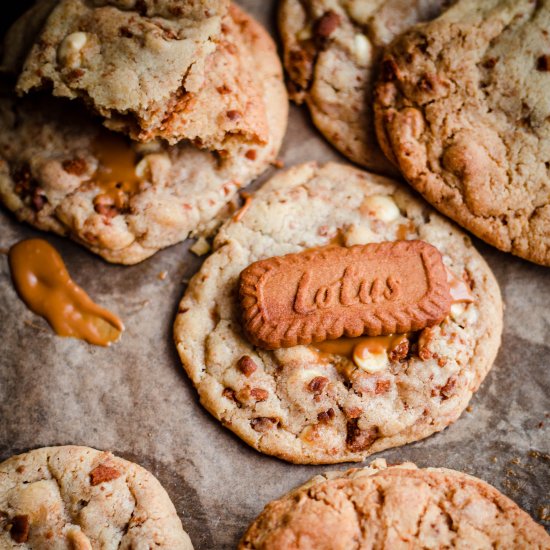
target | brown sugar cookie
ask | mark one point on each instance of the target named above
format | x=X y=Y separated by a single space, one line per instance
x=462 y=110
x=385 y=507
x=80 y=498
x=343 y=399
x=61 y=171
x=332 y=53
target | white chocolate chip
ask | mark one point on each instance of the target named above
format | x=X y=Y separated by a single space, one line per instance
x=362 y=49
x=71 y=48
x=457 y=309
x=359 y=234
x=382 y=207
x=371 y=362
x=201 y=247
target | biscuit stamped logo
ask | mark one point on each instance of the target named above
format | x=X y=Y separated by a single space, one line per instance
x=323 y=294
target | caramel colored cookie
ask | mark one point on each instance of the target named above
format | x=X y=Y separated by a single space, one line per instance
x=308 y=404
x=332 y=52
x=462 y=109
x=80 y=498
x=323 y=294
x=61 y=171
x=383 y=508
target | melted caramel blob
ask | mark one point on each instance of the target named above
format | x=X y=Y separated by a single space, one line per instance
x=404 y=230
x=116 y=171
x=44 y=284
x=346 y=347
x=460 y=291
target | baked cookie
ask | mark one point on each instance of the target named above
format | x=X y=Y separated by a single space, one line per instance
x=462 y=109
x=150 y=67
x=80 y=498
x=332 y=50
x=61 y=171
x=381 y=507
x=309 y=404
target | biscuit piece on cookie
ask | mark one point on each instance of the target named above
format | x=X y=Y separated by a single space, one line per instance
x=332 y=52
x=311 y=405
x=77 y=497
x=381 y=507
x=60 y=171
x=175 y=70
x=462 y=109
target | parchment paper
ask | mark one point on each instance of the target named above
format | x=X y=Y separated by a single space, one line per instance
x=135 y=399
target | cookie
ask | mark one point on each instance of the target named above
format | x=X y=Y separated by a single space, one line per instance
x=344 y=399
x=332 y=52
x=61 y=172
x=400 y=506
x=461 y=109
x=77 y=497
x=371 y=289
x=150 y=68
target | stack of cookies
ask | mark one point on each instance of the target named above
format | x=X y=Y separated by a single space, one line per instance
x=176 y=106
x=339 y=314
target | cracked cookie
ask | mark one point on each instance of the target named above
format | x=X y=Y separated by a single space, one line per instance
x=175 y=70
x=80 y=498
x=344 y=399
x=332 y=52
x=389 y=507
x=462 y=109
x=61 y=171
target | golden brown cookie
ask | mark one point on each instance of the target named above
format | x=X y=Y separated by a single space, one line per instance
x=462 y=110
x=332 y=53
x=388 y=507
x=339 y=400
x=61 y=171
x=80 y=498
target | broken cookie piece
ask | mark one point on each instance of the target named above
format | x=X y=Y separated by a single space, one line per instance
x=174 y=70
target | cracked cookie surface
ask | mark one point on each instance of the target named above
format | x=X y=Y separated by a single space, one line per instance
x=332 y=54
x=307 y=407
x=462 y=109
x=77 y=498
x=52 y=155
x=149 y=68
x=381 y=507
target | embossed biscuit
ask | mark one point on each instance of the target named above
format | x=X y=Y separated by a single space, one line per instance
x=323 y=294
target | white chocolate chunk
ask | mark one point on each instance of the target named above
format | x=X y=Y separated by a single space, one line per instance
x=359 y=234
x=371 y=362
x=382 y=207
x=70 y=49
x=201 y=247
x=362 y=49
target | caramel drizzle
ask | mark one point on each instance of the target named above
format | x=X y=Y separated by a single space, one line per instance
x=238 y=216
x=361 y=345
x=116 y=172
x=44 y=284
